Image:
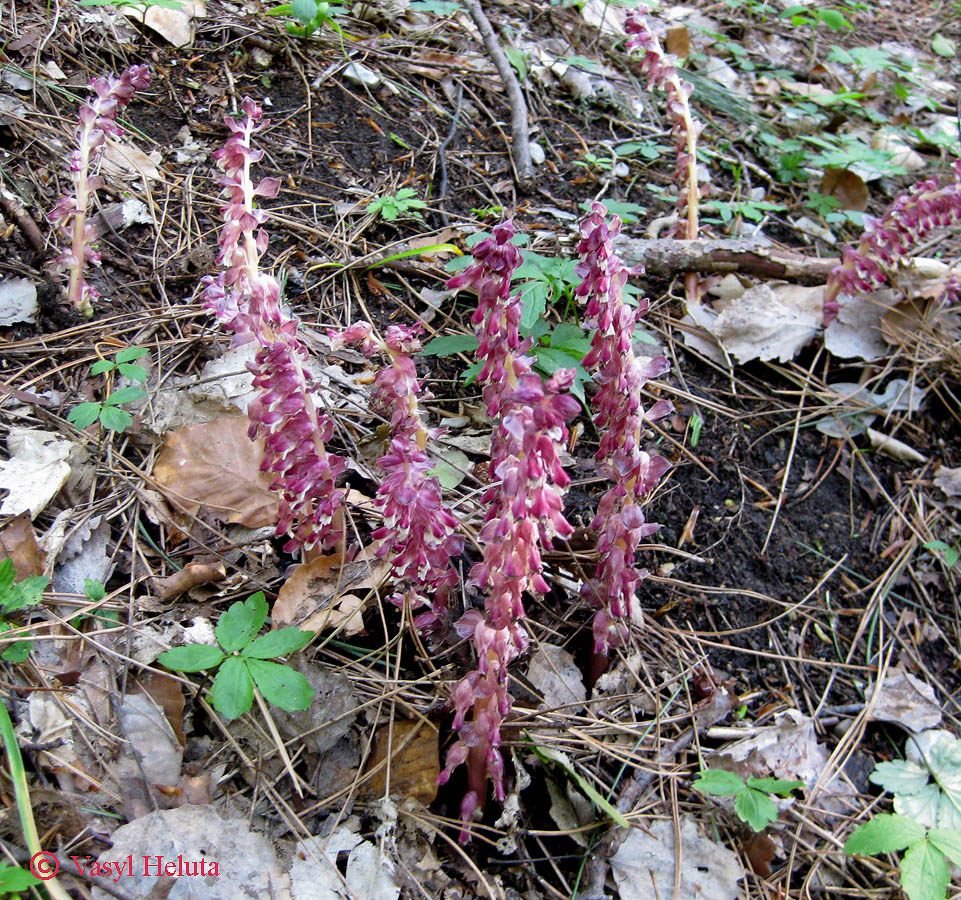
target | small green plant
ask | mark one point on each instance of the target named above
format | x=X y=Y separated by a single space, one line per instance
x=404 y=202
x=948 y=553
x=312 y=17
x=752 y=801
x=108 y=410
x=592 y=161
x=242 y=661
x=14 y=880
x=926 y=823
x=15 y=596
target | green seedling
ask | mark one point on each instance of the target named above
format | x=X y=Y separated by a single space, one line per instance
x=752 y=800
x=15 y=596
x=108 y=410
x=948 y=553
x=592 y=161
x=14 y=880
x=926 y=823
x=242 y=661
x=391 y=207
x=312 y=17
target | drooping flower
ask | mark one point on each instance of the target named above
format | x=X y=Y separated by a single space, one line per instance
x=886 y=241
x=246 y=300
x=620 y=418
x=418 y=535
x=97 y=122
x=524 y=513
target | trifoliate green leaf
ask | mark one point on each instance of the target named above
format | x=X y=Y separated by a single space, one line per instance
x=277 y=643
x=885 y=833
x=238 y=626
x=233 y=689
x=191 y=658
x=718 y=783
x=924 y=872
x=755 y=808
x=281 y=685
x=115 y=419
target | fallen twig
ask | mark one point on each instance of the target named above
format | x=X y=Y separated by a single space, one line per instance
x=520 y=148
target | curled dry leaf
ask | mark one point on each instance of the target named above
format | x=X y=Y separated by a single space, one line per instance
x=190 y=576
x=215 y=466
x=328 y=593
x=19 y=543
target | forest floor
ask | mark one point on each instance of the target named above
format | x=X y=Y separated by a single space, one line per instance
x=800 y=618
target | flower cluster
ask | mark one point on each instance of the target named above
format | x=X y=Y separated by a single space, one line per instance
x=98 y=120
x=524 y=513
x=247 y=302
x=418 y=535
x=662 y=72
x=620 y=418
x=907 y=221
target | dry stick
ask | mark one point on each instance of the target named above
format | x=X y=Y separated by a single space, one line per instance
x=520 y=145
x=14 y=208
x=667 y=257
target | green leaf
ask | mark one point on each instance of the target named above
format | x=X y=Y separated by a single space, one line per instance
x=233 y=689
x=284 y=10
x=14 y=879
x=84 y=414
x=534 y=297
x=241 y=622
x=944 y=47
x=518 y=59
x=885 y=833
x=555 y=756
x=281 y=685
x=718 y=783
x=94 y=590
x=277 y=643
x=30 y=590
x=304 y=11
x=134 y=373
x=191 y=658
x=130 y=354
x=124 y=395
x=115 y=419
x=7 y=576
x=755 y=808
x=101 y=366
x=833 y=19
x=451 y=468
x=924 y=872
x=774 y=785
x=948 y=841
x=450 y=344
x=900 y=777
x=17 y=652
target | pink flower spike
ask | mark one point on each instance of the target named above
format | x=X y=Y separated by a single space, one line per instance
x=246 y=301
x=97 y=120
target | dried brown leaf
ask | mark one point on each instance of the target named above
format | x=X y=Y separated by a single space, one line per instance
x=414 y=762
x=19 y=543
x=678 y=41
x=323 y=593
x=216 y=466
x=167 y=693
x=847 y=187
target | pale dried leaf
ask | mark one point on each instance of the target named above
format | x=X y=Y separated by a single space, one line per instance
x=907 y=701
x=18 y=301
x=557 y=676
x=216 y=466
x=949 y=480
x=35 y=472
x=150 y=749
x=893 y=447
x=85 y=555
x=331 y=713
x=856 y=332
x=124 y=160
x=644 y=864
x=174 y=25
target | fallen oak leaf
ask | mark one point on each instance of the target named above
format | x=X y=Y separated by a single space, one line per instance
x=190 y=576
